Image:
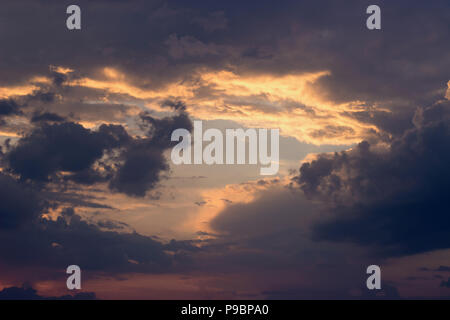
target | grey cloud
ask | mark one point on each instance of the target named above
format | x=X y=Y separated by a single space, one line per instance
x=27 y=239
x=143 y=160
x=63 y=146
x=272 y=235
x=19 y=203
x=274 y=211
x=129 y=165
x=213 y=22
x=398 y=68
x=333 y=131
x=174 y=104
x=445 y=284
x=443 y=268
x=394 y=198
x=140 y=171
x=47 y=116
x=26 y=292
x=296 y=37
x=8 y=107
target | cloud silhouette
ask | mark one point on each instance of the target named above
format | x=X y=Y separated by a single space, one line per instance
x=26 y=292
x=394 y=198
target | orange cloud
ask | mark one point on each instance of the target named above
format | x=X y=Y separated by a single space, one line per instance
x=216 y=199
x=266 y=101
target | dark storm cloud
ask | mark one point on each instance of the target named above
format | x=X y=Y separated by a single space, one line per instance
x=445 y=284
x=90 y=176
x=142 y=165
x=397 y=68
x=65 y=197
x=58 y=78
x=29 y=49
x=28 y=239
x=159 y=131
x=406 y=61
x=397 y=63
x=47 y=116
x=443 y=268
x=72 y=108
x=87 y=246
x=41 y=96
x=18 y=203
x=112 y=225
x=26 y=292
x=395 y=122
x=59 y=102
x=64 y=146
x=258 y=218
x=388 y=292
x=396 y=198
x=9 y=107
x=213 y=22
x=271 y=235
x=24 y=105
x=174 y=104
x=369 y=203
x=143 y=159
x=438 y=269
x=68 y=147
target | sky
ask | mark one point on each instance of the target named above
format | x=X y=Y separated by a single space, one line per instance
x=86 y=176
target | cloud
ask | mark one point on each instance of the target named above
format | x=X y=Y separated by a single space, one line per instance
x=111 y=225
x=140 y=171
x=27 y=238
x=47 y=116
x=176 y=105
x=26 y=292
x=406 y=63
x=181 y=47
x=373 y=83
x=58 y=151
x=213 y=22
x=443 y=268
x=9 y=107
x=445 y=284
x=64 y=146
x=19 y=204
x=439 y=269
x=392 y=198
x=343 y=212
x=332 y=131
x=268 y=236
x=273 y=211
x=143 y=159
x=388 y=292
x=313 y=64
